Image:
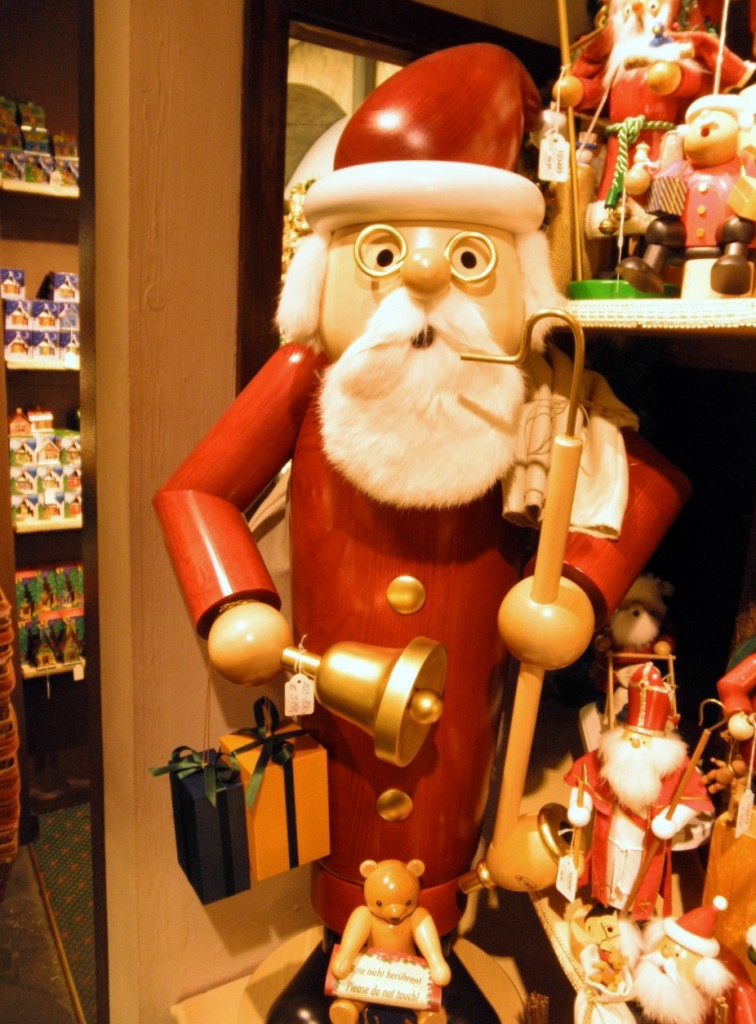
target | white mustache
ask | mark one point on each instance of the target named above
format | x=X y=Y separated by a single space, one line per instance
x=399 y=319
x=663 y=963
x=457 y=325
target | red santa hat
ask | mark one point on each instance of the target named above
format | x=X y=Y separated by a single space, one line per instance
x=649 y=701
x=439 y=140
x=694 y=930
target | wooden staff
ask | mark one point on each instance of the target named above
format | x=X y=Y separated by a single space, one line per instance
x=546 y=622
x=577 y=241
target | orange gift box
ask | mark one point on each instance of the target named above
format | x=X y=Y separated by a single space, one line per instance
x=287 y=822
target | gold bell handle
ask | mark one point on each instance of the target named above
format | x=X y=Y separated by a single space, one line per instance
x=395 y=695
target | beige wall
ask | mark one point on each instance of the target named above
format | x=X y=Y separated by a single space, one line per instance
x=167 y=103
x=168 y=76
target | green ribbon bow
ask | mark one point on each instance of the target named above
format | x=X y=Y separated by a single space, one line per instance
x=186 y=761
x=274 y=748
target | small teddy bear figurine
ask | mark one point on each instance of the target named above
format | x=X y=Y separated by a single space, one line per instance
x=635 y=631
x=390 y=920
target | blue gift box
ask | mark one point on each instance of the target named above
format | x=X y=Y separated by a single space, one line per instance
x=211 y=838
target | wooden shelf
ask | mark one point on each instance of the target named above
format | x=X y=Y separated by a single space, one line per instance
x=75 y=668
x=43 y=526
x=716 y=334
x=38 y=189
x=39 y=365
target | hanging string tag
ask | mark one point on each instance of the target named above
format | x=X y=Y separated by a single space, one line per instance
x=743 y=822
x=554 y=158
x=554 y=153
x=299 y=693
x=567 y=869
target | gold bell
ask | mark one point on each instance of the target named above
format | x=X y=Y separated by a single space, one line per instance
x=393 y=694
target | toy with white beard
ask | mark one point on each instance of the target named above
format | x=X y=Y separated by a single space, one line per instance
x=629 y=783
x=679 y=976
x=410 y=423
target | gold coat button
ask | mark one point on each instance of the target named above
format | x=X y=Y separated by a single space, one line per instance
x=703 y=187
x=700 y=232
x=405 y=595
x=394 y=805
x=701 y=210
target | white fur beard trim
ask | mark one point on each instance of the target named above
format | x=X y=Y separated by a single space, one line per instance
x=416 y=427
x=635 y=773
x=538 y=288
x=665 y=999
x=631 y=630
x=299 y=302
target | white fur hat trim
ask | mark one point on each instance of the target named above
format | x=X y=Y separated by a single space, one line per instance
x=428 y=190
x=730 y=103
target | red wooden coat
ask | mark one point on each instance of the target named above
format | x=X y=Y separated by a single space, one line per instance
x=345 y=550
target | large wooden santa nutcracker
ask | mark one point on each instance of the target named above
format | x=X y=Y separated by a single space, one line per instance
x=426 y=244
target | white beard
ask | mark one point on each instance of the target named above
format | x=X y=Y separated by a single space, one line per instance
x=664 y=995
x=633 y=40
x=635 y=774
x=634 y=627
x=416 y=427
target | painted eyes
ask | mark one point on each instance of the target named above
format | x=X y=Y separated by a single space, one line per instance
x=472 y=256
x=381 y=249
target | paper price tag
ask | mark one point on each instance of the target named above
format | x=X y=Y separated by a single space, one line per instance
x=744 y=814
x=567 y=878
x=299 y=696
x=554 y=158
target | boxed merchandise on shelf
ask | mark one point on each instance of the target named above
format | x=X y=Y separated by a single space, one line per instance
x=45 y=471
x=61 y=286
x=12 y=283
x=50 y=605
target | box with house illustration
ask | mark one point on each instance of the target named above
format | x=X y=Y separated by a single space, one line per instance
x=287 y=824
x=69 y=349
x=49 y=478
x=17 y=345
x=12 y=283
x=23 y=480
x=22 y=450
x=69 y=445
x=17 y=313
x=211 y=840
x=73 y=506
x=71 y=477
x=61 y=286
x=11 y=163
x=23 y=509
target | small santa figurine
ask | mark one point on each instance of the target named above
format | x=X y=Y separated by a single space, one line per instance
x=651 y=60
x=627 y=787
x=681 y=975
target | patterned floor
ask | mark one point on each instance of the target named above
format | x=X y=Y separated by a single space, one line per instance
x=32 y=982
x=63 y=852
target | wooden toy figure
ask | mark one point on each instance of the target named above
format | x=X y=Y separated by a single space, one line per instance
x=390 y=921
x=650 y=61
x=691 y=202
x=425 y=244
x=681 y=975
x=630 y=781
